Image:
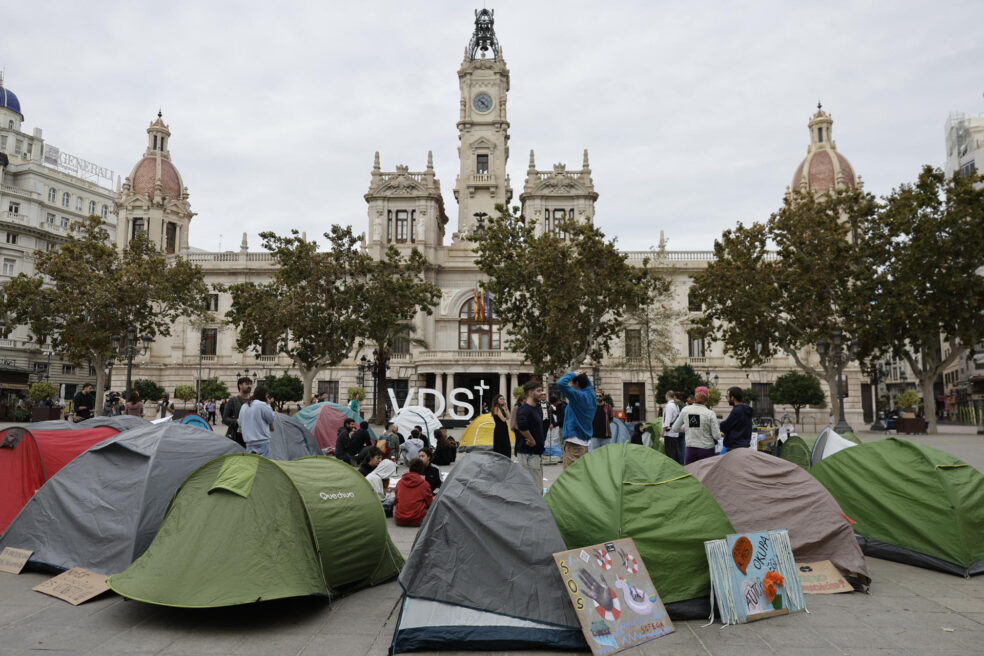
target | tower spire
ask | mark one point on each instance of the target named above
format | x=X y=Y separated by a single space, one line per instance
x=483 y=38
x=532 y=163
x=584 y=164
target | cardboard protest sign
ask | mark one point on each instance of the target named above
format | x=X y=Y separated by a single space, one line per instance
x=753 y=576
x=613 y=596
x=822 y=578
x=13 y=560
x=74 y=586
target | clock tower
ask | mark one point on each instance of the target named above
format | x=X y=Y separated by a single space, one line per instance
x=483 y=131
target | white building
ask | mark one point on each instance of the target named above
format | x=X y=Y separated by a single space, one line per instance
x=42 y=191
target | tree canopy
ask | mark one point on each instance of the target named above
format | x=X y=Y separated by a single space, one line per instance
x=211 y=388
x=149 y=390
x=761 y=303
x=394 y=291
x=798 y=390
x=681 y=379
x=284 y=389
x=563 y=299
x=85 y=291
x=311 y=309
x=925 y=261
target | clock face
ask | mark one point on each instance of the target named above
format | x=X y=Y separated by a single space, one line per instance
x=483 y=102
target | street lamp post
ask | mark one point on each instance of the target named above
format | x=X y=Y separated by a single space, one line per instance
x=369 y=365
x=839 y=356
x=880 y=372
x=126 y=346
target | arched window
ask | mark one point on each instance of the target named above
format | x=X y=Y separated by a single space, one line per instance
x=105 y=211
x=478 y=330
x=92 y=207
x=66 y=199
x=52 y=195
x=78 y=203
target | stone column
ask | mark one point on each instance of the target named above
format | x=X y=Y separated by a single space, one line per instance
x=448 y=386
x=502 y=385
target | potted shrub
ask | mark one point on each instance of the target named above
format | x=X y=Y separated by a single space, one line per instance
x=908 y=401
x=41 y=392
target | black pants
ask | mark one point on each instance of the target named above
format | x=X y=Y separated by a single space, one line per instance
x=675 y=447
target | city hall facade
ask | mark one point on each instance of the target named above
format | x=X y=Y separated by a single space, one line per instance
x=466 y=349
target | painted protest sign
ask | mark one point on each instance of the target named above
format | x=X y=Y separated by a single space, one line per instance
x=613 y=596
x=822 y=578
x=13 y=560
x=74 y=586
x=753 y=576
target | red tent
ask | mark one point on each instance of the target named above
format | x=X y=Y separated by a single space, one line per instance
x=28 y=458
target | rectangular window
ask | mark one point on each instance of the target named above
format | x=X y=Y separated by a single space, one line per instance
x=968 y=168
x=696 y=349
x=401 y=225
x=65 y=222
x=820 y=135
x=3 y=143
x=268 y=346
x=170 y=237
x=8 y=266
x=401 y=344
x=633 y=343
x=693 y=304
x=546 y=221
x=41 y=368
x=11 y=238
x=49 y=246
x=210 y=337
x=413 y=226
x=329 y=387
x=18 y=146
x=138 y=227
x=389 y=226
x=68 y=369
x=482 y=164
x=50 y=218
x=78 y=203
x=14 y=208
x=212 y=303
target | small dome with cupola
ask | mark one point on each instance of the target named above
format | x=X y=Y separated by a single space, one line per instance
x=823 y=169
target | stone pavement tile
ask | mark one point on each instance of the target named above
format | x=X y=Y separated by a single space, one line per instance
x=77 y=639
x=740 y=635
x=205 y=641
x=876 y=651
x=138 y=640
x=782 y=638
x=829 y=617
x=913 y=603
x=977 y=617
x=264 y=644
x=853 y=637
x=336 y=645
x=962 y=604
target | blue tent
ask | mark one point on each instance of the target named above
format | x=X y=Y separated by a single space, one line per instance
x=197 y=421
x=621 y=433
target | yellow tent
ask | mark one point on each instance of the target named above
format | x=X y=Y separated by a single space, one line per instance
x=479 y=433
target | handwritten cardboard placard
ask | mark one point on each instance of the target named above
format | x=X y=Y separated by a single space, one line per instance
x=13 y=560
x=74 y=586
x=822 y=578
x=613 y=596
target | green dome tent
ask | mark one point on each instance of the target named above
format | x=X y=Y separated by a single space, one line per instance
x=655 y=428
x=911 y=503
x=629 y=491
x=244 y=528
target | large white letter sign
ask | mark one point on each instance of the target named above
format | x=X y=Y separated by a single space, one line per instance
x=455 y=403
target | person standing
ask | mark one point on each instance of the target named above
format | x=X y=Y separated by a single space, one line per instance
x=84 y=402
x=134 y=406
x=673 y=442
x=255 y=417
x=529 y=419
x=578 y=416
x=601 y=424
x=210 y=409
x=354 y=405
x=164 y=406
x=500 y=434
x=393 y=441
x=230 y=416
x=700 y=426
x=737 y=428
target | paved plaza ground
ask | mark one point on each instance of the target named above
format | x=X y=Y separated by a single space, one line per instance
x=908 y=611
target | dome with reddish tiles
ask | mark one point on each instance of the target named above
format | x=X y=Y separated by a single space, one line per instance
x=823 y=169
x=144 y=177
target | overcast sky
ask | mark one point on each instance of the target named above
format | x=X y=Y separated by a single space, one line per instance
x=694 y=113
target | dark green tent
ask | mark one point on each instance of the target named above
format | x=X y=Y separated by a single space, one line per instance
x=629 y=491
x=244 y=528
x=911 y=503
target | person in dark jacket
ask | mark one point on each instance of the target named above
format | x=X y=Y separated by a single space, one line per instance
x=431 y=473
x=412 y=496
x=737 y=428
x=342 y=440
x=359 y=440
x=373 y=456
x=530 y=441
x=230 y=413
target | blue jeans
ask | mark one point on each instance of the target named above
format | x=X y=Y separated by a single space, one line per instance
x=259 y=448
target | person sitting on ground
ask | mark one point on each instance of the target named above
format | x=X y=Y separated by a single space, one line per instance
x=379 y=478
x=431 y=473
x=422 y=434
x=359 y=440
x=412 y=446
x=447 y=449
x=636 y=434
x=342 y=440
x=700 y=426
x=370 y=460
x=412 y=496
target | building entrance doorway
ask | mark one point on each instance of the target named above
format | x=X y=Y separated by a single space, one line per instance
x=634 y=401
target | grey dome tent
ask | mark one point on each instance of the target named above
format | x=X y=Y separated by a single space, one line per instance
x=119 y=422
x=481 y=573
x=290 y=439
x=103 y=509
